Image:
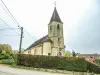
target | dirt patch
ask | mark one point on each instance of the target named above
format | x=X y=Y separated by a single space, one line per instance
x=4 y=65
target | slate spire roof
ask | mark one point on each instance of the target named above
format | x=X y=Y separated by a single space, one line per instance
x=55 y=16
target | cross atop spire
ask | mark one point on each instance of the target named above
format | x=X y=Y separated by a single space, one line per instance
x=55 y=16
x=55 y=3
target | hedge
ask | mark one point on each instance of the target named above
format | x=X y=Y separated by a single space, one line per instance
x=92 y=67
x=97 y=61
x=53 y=62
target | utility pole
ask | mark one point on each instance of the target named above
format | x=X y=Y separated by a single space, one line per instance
x=21 y=36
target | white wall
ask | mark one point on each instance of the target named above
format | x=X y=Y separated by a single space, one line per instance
x=25 y=52
x=46 y=48
x=38 y=50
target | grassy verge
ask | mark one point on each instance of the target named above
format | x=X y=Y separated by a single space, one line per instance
x=4 y=65
x=53 y=70
x=42 y=69
x=49 y=70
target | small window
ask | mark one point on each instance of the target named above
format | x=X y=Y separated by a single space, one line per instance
x=58 y=39
x=49 y=54
x=58 y=26
x=29 y=52
x=50 y=27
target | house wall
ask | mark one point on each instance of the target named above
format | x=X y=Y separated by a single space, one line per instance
x=25 y=52
x=46 y=48
x=54 y=51
x=42 y=49
x=33 y=50
x=37 y=50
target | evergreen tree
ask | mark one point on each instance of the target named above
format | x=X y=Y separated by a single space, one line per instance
x=74 y=54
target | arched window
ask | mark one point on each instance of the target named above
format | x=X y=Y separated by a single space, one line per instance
x=59 y=54
x=58 y=27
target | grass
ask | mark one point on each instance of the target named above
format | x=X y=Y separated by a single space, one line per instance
x=49 y=70
x=53 y=70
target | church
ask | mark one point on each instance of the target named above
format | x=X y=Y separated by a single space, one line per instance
x=51 y=44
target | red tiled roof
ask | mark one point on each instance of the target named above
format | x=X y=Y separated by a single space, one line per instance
x=94 y=55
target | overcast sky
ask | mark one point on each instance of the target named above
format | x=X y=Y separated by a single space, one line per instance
x=81 y=20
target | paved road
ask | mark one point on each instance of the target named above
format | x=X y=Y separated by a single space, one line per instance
x=5 y=70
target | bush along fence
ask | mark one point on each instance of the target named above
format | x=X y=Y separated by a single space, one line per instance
x=6 y=58
x=97 y=61
x=54 y=62
x=91 y=67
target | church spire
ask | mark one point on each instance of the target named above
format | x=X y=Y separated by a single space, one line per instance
x=55 y=16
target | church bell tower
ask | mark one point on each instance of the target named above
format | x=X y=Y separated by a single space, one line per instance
x=55 y=34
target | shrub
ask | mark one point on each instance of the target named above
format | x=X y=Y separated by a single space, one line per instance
x=7 y=48
x=4 y=55
x=68 y=54
x=97 y=61
x=0 y=61
x=91 y=67
x=8 y=61
x=53 y=62
x=14 y=56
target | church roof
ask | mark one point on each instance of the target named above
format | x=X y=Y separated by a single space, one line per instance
x=55 y=16
x=41 y=40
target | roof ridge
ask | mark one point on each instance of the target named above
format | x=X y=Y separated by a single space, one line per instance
x=44 y=38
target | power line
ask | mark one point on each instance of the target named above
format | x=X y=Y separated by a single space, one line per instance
x=7 y=12
x=8 y=26
x=10 y=13
x=11 y=35
x=12 y=17
x=29 y=34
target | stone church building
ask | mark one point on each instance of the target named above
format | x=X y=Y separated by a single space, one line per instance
x=51 y=44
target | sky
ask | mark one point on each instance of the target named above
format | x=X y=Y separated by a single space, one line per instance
x=80 y=20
